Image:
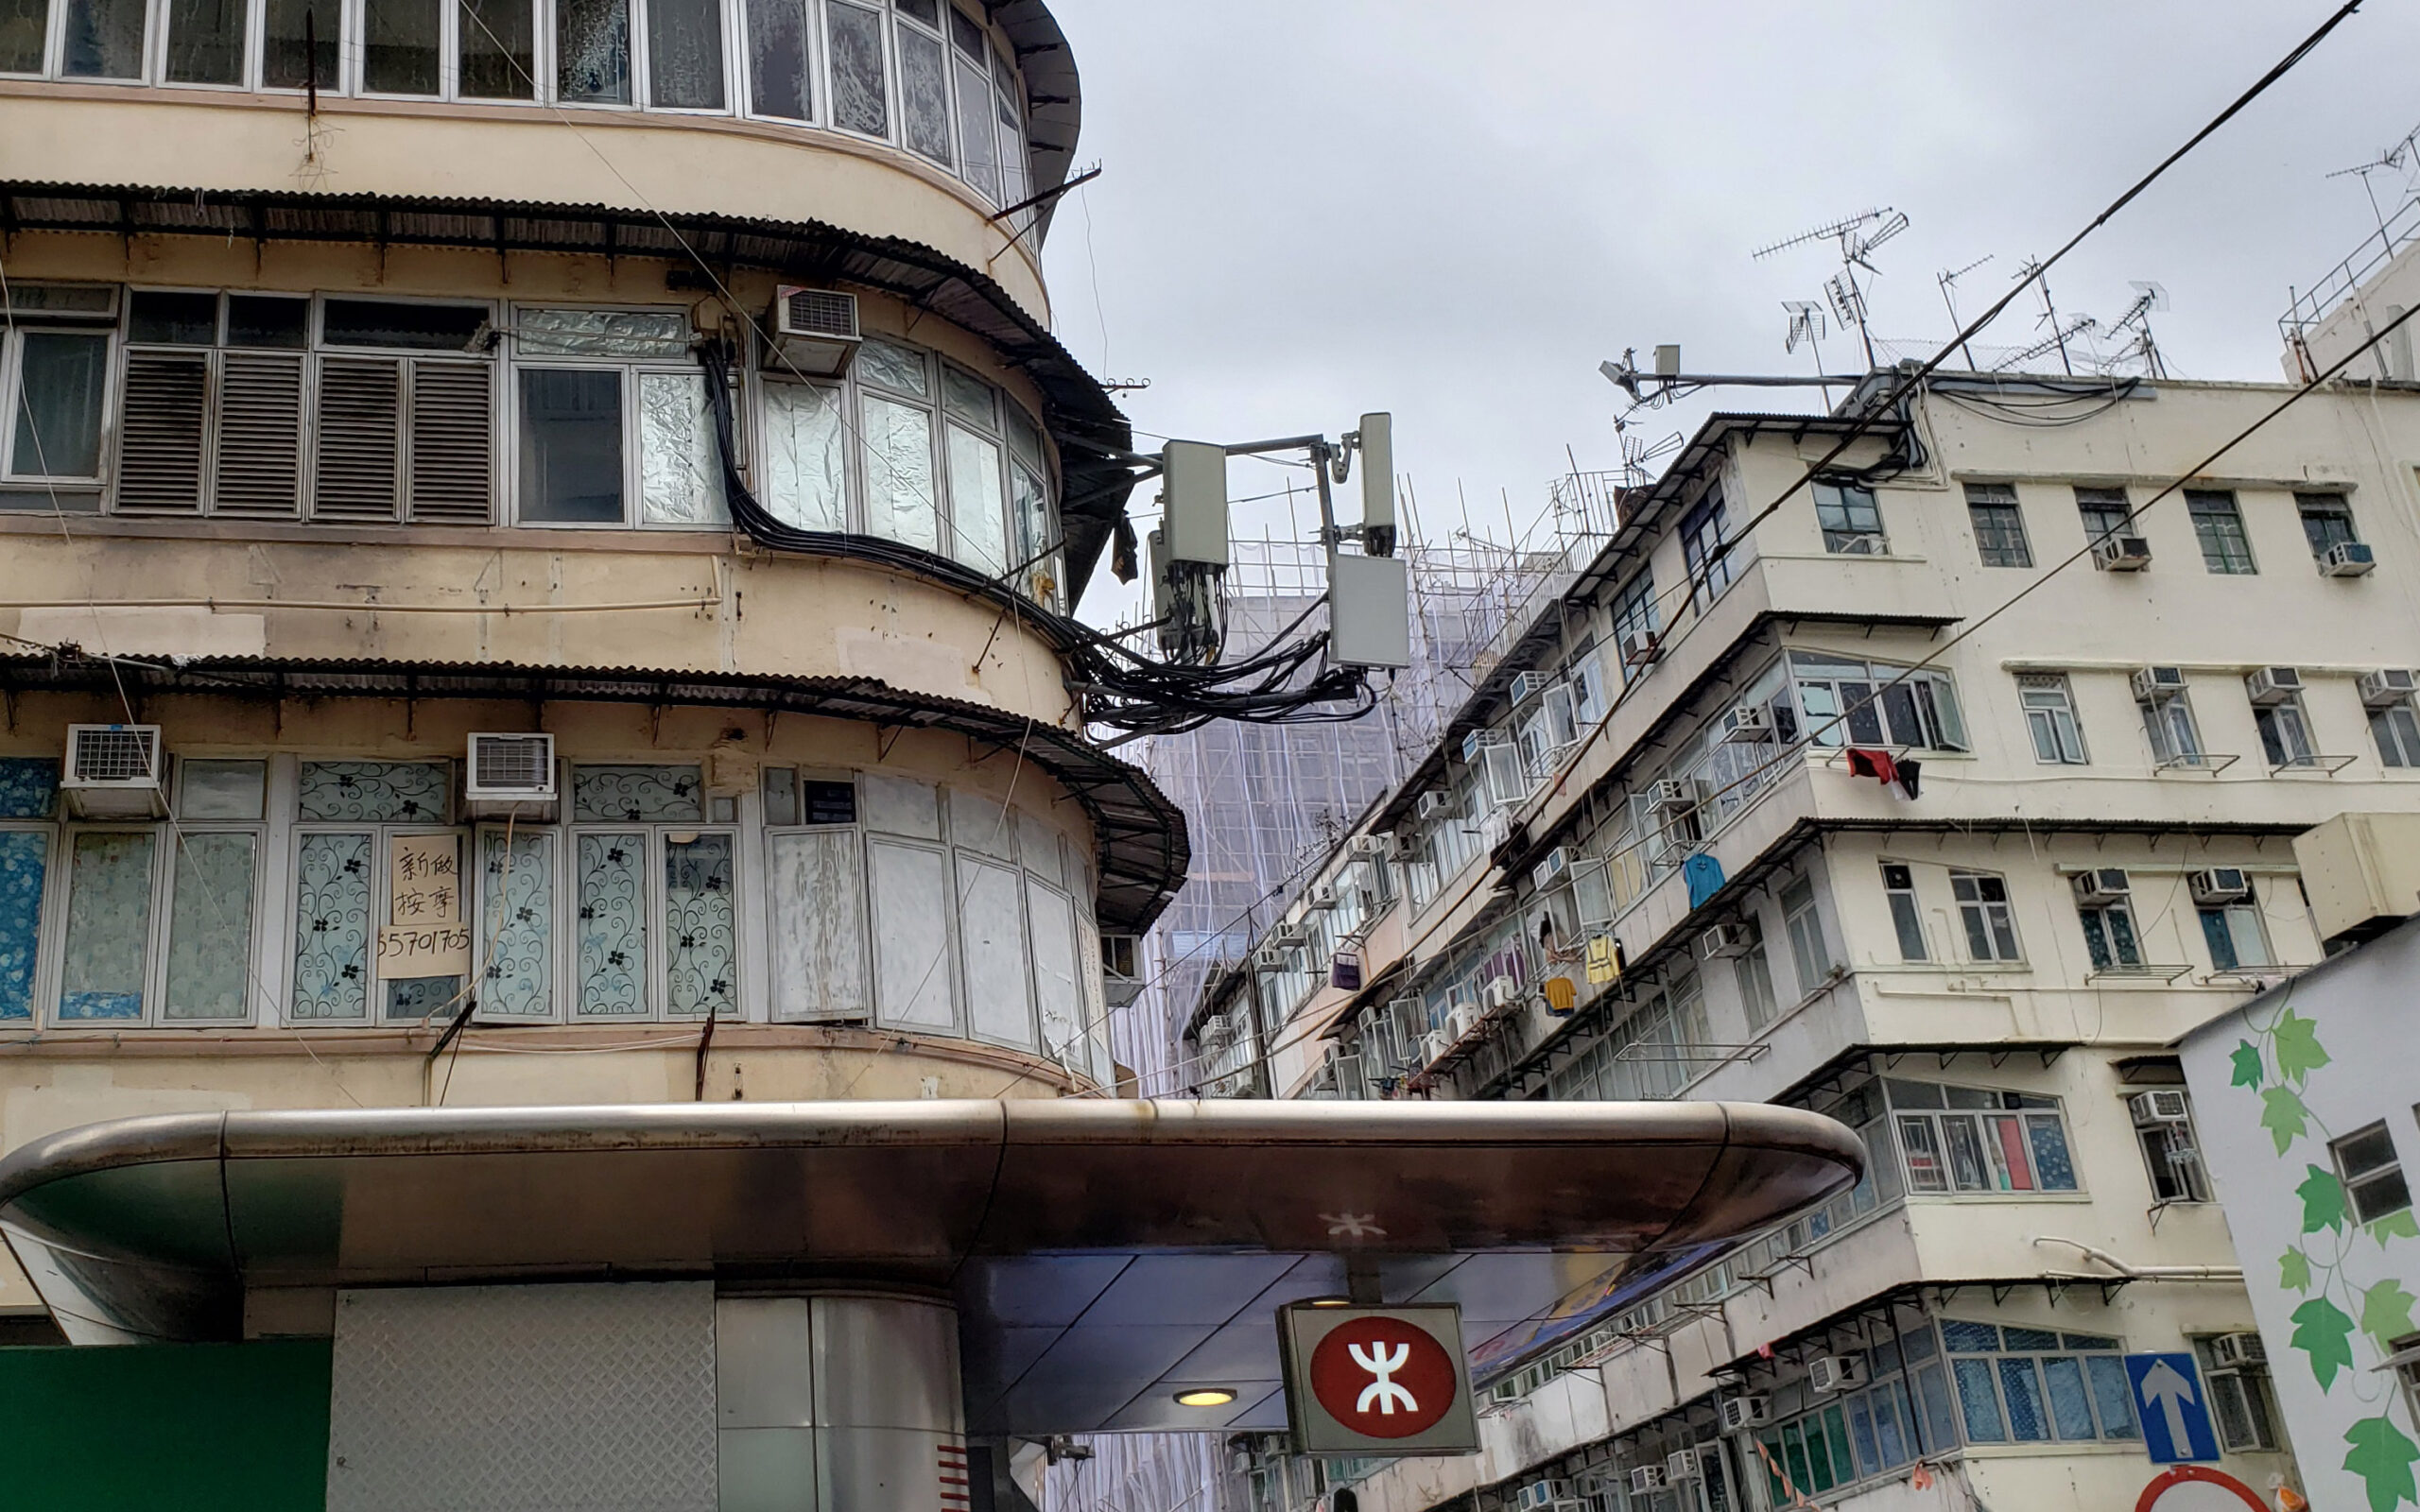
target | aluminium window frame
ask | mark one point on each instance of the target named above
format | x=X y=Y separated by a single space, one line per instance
x=2189 y=1175
x=2392 y=1167
x=12 y=333
x=1986 y=500
x=659 y=835
x=2284 y=728
x=2055 y=715
x=2022 y=1107
x=1992 y=916
x=382 y=833
x=2038 y=1373
x=2310 y=504
x=48 y=984
x=633 y=371
x=2255 y=1399
x=2403 y=753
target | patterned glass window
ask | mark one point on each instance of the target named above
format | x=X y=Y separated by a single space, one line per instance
x=655 y=900
x=638 y=795
x=28 y=786
x=375 y=792
x=515 y=940
x=25 y=864
x=701 y=933
x=331 y=927
x=611 y=935
x=210 y=926
x=108 y=925
x=1969 y=1138
x=2037 y=1385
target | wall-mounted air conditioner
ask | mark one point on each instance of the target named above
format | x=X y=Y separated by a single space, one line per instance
x=2153 y=684
x=1836 y=1372
x=1745 y=1412
x=1539 y=1495
x=1378 y=845
x=2388 y=686
x=1752 y=725
x=1269 y=960
x=814 y=332
x=1501 y=996
x=1527 y=685
x=1465 y=1021
x=1683 y=1464
x=115 y=772
x=1642 y=651
x=1647 y=1478
x=2239 y=1352
x=1429 y=806
x=1552 y=869
x=1479 y=739
x=2272 y=685
x=510 y=776
x=2102 y=886
x=2122 y=554
x=1671 y=796
x=2166 y=1104
x=1725 y=942
x=2220 y=884
x=1322 y=895
x=2348 y=558
x=1289 y=934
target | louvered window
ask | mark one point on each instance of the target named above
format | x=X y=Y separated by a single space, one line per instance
x=360 y=439
x=257 y=469
x=451 y=441
x=162 y=422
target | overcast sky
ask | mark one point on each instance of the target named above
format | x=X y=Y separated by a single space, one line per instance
x=1455 y=211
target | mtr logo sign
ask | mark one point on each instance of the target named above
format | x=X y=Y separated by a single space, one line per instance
x=1378 y=1380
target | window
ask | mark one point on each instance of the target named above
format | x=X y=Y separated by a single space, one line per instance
x=1875 y=703
x=2327 y=521
x=1754 y=970
x=1967 y=1139
x=2163 y=1120
x=2105 y=512
x=373 y=840
x=1983 y=909
x=2406 y=1355
x=497 y=49
x=1852 y=522
x=2236 y=937
x=2398 y=734
x=2109 y=936
x=655 y=918
x=402 y=42
x=2285 y=735
x=1638 y=620
x=2000 y=526
x=2030 y=1385
x=780 y=73
x=615 y=425
x=1705 y=545
x=2240 y=1401
x=2219 y=525
x=2168 y=719
x=1899 y=885
x=1807 y=950
x=2051 y=718
x=2371 y=1172
x=52 y=385
x=28 y=793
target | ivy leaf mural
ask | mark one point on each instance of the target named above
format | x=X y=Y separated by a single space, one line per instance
x=2397 y=1224
x=2298 y=1050
x=2324 y=1332
x=2293 y=1269
x=2322 y=1201
x=2386 y=1313
x=2284 y=1116
x=2247 y=1065
x=2382 y=1457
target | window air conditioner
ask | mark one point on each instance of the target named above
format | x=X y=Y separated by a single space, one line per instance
x=815 y=332
x=1539 y=1495
x=1429 y=804
x=1641 y=651
x=2164 y=1106
x=1745 y=1412
x=1724 y=942
x=1479 y=739
x=2220 y=884
x=2100 y=888
x=2272 y=685
x=1289 y=934
x=1269 y=960
x=113 y=772
x=1503 y=995
x=1837 y=1372
x=1322 y=895
x=2348 y=558
x=2239 y=1352
x=1752 y=725
x=2122 y=554
x=1527 y=685
x=1682 y=1464
x=1370 y=845
x=1646 y=1478
x=1671 y=795
x=2152 y=684
x=510 y=776
x=1465 y=1021
x=1556 y=866
x=2388 y=686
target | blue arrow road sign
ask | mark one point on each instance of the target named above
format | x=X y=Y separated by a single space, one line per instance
x=2175 y=1413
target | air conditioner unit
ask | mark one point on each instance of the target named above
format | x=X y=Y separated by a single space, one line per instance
x=2348 y=558
x=2152 y=684
x=1429 y=806
x=115 y=772
x=1503 y=995
x=1647 y=1478
x=1642 y=650
x=1371 y=846
x=2272 y=685
x=2103 y=886
x=2122 y=554
x=1322 y=895
x=1479 y=739
x=2388 y=686
x=1837 y=1372
x=2239 y=1352
x=1552 y=869
x=1539 y=1495
x=1269 y=960
x=1682 y=1465
x=1752 y=725
x=1671 y=795
x=1465 y=1021
x=1289 y=934
x=2220 y=884
x=1527 y=685
x=1745 y=1412
x=1725 y=942
x=510 y=776
x=2163 y=1106
x=1433 y=1046
x=815 y=332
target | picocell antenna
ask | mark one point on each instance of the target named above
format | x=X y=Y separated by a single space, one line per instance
x=1948 y=279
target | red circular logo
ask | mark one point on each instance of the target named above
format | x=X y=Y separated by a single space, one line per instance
x=1382 y=1378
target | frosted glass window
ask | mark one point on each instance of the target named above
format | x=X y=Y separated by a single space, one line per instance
x=1040 y=844
x=400 y=43
x=515 y=934
x=593 y=51
x=899 y=474
x=205 y=41
x=331 y=927
x=498 y=46
x=992 y=939
x=1017 y=182
x=860 y=98
x=25 y=863
x=805 y=456
x=22 y=25
x=980 y=823
x=1052 y=921
x=978 y=516
x=977 y=147
x=680 y=464
x=901 y=805
x=968 y=398
x=818 y=913
x=109 y=925
x=911 y=935
x=924 y=95
x=303 y=36
x=610 y=934
x=1088 y=983
x=210 y=926
x=685 y=54
x=701 y=933
x=56 y=429
x=778 y=76
x=103 y=38
x=220 y=790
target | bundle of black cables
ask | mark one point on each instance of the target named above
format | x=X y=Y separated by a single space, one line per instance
x=1290 y=682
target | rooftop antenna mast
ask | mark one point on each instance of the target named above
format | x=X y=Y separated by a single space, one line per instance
x=1948 y=279
x=2137 y=320
x=2404 y=158
x=1807 y=324
x=1857 y=242
x=2057 y=340
x=1636 y=453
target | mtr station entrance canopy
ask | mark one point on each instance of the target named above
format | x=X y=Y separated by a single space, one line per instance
x=1102 y=1257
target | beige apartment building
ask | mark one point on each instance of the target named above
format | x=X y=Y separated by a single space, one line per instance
x=566 y=514
x=1645 y=863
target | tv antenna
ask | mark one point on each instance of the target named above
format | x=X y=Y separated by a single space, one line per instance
x=2060 y=335
x=1857 y=237
x=2404 y=158
x=1948 y=279
x=2137 y=324
x=1638 y=453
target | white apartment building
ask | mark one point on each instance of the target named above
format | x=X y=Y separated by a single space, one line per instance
x=1643 y=864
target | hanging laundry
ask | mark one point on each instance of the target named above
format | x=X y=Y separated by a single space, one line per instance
x=1704 y=876
x=1344 y=972
x=1605 y=960
x=1909 y=772
x=1874 y=763
x=1561 y=995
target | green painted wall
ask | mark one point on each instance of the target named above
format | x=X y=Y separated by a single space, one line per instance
x=198 y=1428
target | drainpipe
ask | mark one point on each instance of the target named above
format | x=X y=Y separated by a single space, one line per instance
x=2147 y=1273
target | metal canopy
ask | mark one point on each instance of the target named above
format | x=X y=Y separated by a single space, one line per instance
x=1102 y=1254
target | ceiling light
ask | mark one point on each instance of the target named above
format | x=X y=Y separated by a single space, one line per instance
x=1331 y=1301
x=1204 y=1397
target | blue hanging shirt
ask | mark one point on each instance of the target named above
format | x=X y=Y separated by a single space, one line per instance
x=1705 y=875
